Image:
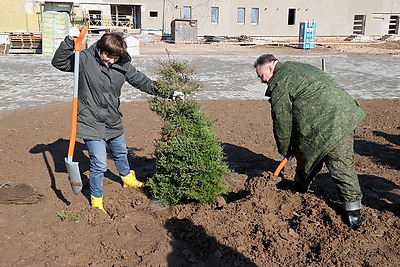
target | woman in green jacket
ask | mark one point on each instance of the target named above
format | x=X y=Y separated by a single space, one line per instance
x=314 y=119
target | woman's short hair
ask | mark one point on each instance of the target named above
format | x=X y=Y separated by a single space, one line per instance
x=113 y=44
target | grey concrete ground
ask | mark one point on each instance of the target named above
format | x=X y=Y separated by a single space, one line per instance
x=30 y=80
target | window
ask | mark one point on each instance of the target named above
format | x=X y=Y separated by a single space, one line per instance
x=214 y=15
x=95 y=18
x=394 y=23
x=254 y=16
x=187 y=12
x=359 y=24
x=58 y=7
x=292 y=16
x=153 y=14
x=240 y=15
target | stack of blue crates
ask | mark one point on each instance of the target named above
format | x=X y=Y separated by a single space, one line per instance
x=307 y=35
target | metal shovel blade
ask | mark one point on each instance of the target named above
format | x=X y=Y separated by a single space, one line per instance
x=74 y=175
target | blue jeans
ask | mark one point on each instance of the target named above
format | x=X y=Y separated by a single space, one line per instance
x=98 y=161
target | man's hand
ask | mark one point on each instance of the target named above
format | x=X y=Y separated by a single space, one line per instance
x=178 y=96
x=74 y=32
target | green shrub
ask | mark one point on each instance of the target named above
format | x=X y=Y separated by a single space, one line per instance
x=190 y=163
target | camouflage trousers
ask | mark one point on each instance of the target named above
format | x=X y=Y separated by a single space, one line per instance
x=340 y=163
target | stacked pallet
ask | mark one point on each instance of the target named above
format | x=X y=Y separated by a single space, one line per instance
x=55 y=26
x=25 y=42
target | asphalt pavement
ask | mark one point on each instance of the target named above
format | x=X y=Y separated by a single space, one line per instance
x=28 y=80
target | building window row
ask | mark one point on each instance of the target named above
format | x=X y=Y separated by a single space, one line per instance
x=241 y=15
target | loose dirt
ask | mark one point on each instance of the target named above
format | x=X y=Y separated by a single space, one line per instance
x=257 y=223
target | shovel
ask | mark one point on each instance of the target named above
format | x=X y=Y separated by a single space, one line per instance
x=72 y=167
x=282 y=164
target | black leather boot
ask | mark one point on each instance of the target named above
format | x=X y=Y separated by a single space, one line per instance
x=352 y=214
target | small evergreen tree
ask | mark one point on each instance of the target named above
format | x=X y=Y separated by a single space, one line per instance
x=190 y=162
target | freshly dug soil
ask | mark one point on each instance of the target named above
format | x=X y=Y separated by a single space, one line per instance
x=257 y=223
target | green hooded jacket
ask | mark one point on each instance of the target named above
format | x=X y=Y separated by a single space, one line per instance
x=99 y=89
x=311 y=113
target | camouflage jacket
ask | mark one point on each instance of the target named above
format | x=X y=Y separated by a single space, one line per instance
x=311 y=113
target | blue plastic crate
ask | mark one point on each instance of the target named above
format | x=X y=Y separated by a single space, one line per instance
x=307 y=35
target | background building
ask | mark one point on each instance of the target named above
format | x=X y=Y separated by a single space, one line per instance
x=366 y=19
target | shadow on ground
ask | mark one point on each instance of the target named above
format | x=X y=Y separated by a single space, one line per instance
x=384 y=154
x=244 y=161
x=378 y=192
x=58 y=151
x=192 y=244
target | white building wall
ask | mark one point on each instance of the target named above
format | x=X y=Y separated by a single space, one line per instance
x=152 y=23
x=334 y=18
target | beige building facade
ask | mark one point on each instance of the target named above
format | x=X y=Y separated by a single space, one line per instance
x=19 y=16
x=252 y=18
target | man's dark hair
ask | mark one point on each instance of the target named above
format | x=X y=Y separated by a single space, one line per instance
x=112 y=44
x=264 y=59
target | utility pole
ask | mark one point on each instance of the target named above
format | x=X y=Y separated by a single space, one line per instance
x=163 y=20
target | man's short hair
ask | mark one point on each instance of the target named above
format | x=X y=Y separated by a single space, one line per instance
x=264 y=59
x=113 y=44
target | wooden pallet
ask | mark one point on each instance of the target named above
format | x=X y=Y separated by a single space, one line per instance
x=25 y=43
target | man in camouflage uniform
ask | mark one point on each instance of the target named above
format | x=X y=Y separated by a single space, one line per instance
x=314 y=119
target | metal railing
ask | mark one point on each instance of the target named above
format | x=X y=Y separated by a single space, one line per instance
x=115 y=21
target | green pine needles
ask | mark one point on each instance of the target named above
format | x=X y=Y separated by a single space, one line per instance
x=190 y=163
